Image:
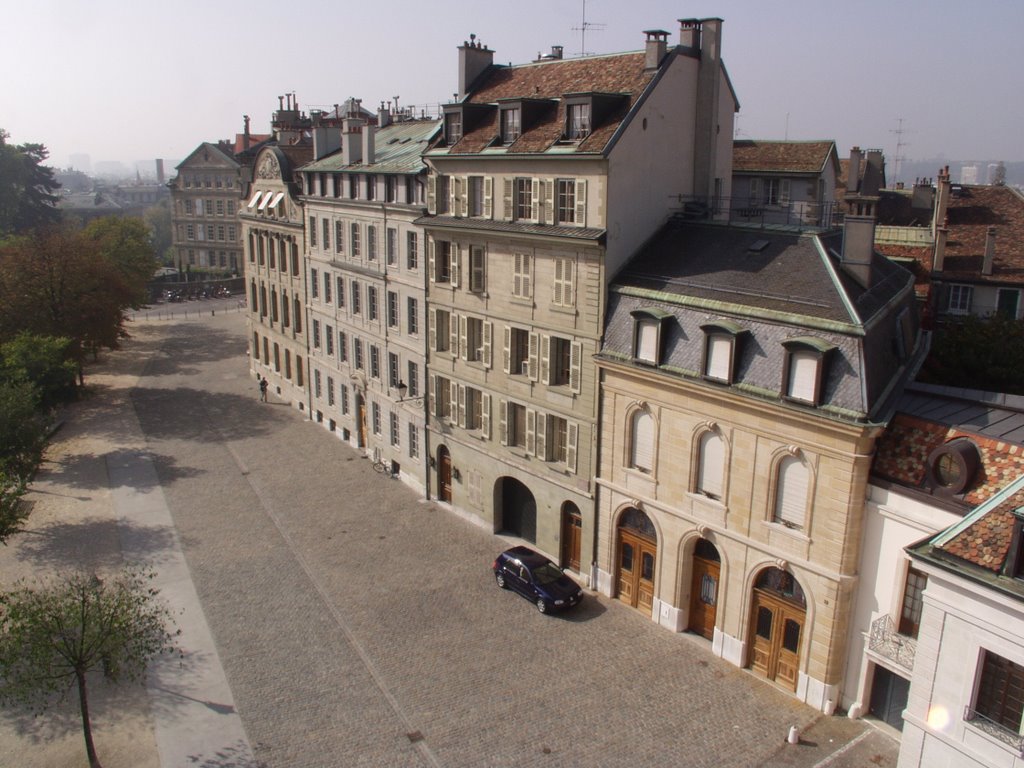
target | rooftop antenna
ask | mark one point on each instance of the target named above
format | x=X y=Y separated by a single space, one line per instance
x=582 y=29
x=901 y=145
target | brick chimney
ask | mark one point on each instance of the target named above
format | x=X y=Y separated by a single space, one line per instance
x=990 y=251
x=657 y=46
x=474 y=58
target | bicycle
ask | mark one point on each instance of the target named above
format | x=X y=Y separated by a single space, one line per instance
x=379 y=465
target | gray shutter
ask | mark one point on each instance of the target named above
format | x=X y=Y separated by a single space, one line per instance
x=572 y=438
x=545 y=359
x=531 y=431
x=507 y=359
x=488 y=197
x=581 y=202
x=456 y=266
x=430 y=259
x=488 y=333
x=453 y=334
x=507 y=200
x=463 y=350
x=432 y=330
x=432 y=194
x=575 y=366
x=534 y=199
x=541 y=446
x=533 y=356
x=503 y=423
x=485 y=415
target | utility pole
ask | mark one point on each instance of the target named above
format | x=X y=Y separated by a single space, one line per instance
x=899 y=157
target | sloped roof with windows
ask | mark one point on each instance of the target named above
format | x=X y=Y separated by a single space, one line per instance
x=398 y=148
x=783 y=157
x=972 y=210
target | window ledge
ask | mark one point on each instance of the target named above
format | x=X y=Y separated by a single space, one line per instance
x=796 y=533
x=523 y=301
x=562 y=309
x=707 y=500
x=639 y=473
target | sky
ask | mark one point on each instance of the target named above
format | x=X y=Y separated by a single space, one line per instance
x=137 y=80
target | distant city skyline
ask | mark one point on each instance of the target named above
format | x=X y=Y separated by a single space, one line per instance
x=133 y=82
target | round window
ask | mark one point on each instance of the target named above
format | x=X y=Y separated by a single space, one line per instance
x=951 y=467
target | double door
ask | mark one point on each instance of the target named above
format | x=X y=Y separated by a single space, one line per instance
x=777 y=629
x=704 y=597
x=637 y=557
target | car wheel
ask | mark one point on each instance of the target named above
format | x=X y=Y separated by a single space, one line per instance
x=500 y=578
x=541 y=605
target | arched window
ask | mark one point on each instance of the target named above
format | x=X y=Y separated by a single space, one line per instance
x=711 y=465
x=791 y=492
x=641 y=455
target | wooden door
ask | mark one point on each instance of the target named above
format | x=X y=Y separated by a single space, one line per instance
x=572 y=529
x=777 y=629
x=637 y=558
x=361 y=425
x=704 y=597
x=444 y=475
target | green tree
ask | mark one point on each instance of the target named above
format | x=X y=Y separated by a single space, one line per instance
x=978 y=353
x=27 y=187
x=23 y=428
x=13 y=513
x=124 y=242
x=52 y=636
x=44 y=361
x=158 y=217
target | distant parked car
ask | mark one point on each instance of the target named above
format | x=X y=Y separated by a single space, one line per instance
x=537 y=579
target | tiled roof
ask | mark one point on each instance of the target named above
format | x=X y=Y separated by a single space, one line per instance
x=517 y=227
x=254 y=139
x=398 y=148
x=621 y=73
x=755 y=155
x=969 y=216
x=986 y=541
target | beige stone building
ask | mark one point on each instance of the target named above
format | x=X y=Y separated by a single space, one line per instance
x=745 y=376
x=546 y=178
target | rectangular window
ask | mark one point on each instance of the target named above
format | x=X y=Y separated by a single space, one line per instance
x=414 y=379
x=371 y=243
x=476 y=195
x=357 y=354
x=312 y=231
x=392 y=309
x=341 y=292
x=519 y=352
x=578 y=121
x=960 y=299
x=1001 y=692
x=316 y=334
x=442 y=397
x=474 y=409
x=327 y=288
x=356 y=303
x=353 y=186
x=342 y=346
x=371 y=301
x=327 y=234
x=510 y=124
x=476 y=268
x=317 y=390
x=374 y=361
x=371 y=187
x=562 y=292
x=375 y=410
x=913 y=602
x=566 y=205
x=452 y=127
x=523 y=201
x=330 y=391
x=560 y=361
x=354 y=241
x=329 y=339
x=231 y=234
x=414 y=442
x=391 y=189
x=393 y=372
x=516 y=416
x=441 y=191
x=393 y=424
x=344 y=399
x=442 y=261
x=522 y=276
x=474 y=339
x=412 y=319
x=339 y=236
x=442 y=330
x=314 y=283
x=412 y=257
x=557 y=439
x=391 y=247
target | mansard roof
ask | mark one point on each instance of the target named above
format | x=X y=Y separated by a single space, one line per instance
x=398 y=148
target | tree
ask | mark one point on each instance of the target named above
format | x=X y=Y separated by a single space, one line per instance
x=978 y=353
x=13 y=513
x=27 y=187
x=23 y=428
x=158 y=217
x=124 y=242
x=53 y=636
x=43 y=361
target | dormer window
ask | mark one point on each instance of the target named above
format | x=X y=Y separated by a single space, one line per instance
x=577 y=121
x=452 y=127
x=952 y=466
x=804 y=368
x=511 y=124
x=647 y=335
x=720 y=342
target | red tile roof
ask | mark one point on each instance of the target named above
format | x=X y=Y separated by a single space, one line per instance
x=613 y=74
x=968 y=218
x=754 y=155
x=254 y=139
x=986 y=542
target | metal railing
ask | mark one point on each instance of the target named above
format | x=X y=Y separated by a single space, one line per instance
x=886 y=641
x=995 y=730
x=798 y=214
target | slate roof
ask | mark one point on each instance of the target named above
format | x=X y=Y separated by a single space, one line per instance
x=398 y=148
x=621 y=73
x=783 y=157
x=969 y=215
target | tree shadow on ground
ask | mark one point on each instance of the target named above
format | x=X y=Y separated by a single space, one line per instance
x=63 y=546
x=183 y=351
x=203 y=416
x=87 y=471
x=237 y=755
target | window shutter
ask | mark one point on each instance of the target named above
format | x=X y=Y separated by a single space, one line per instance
x=791 y=492
x=581 y=202
x=463 y=350
x=432 y=194
x=556 y=288
x=464 y=198
x=432 y=329
x=430 y=259
x=503 y=422
x=575 y=366
x=433 y=396
x=803 y=375
x=459 y=404
x=542 y=437
x=643 y=441
x=488 y=197
x=549 y=201
x=531 y=431
x=507 y=200
x=545 y=358
x=533 y=355
x=647 y=342
x=507 y=359
x=711 y=465
x=571 y=440
x=784 y=191
x=454 y=184
x=527 y=274
x=534 y=199
x=719 y=352
x=485 y=415
x=488 y=331
x=453 y=334
x=456 y=266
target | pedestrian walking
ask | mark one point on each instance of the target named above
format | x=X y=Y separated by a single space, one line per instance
x=263 y=389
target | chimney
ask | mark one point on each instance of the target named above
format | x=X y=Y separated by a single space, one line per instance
x=351 y=140
x=159 y=171
x=383 y=116
x=474 y=58
x=858 y=247
x=689 y=35
x=369 y=132
x=326 y=139
x=940 y=249
x=245 y=132
x=853 y=172
x=943 y=191
x=990 y=251
x=556 y=52
x=874 y=172
x=657 y=45
x=709 y=86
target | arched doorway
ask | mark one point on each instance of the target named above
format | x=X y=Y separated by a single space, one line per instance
x=517 y=509
x=444 y=475
x=704 y=589
x=778 y=613
x=635 y=559
x=572 y=535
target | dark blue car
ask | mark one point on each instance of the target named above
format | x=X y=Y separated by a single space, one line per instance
x=537 y=579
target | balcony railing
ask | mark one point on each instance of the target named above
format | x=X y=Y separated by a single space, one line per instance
x=886 y=641
x=799 y=214
x=995 y=730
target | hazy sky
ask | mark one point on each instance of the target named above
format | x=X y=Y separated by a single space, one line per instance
x=137 y=80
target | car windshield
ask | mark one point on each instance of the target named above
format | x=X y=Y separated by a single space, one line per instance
x=546 y=574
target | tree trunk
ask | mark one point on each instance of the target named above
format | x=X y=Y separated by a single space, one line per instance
x=83 y=702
